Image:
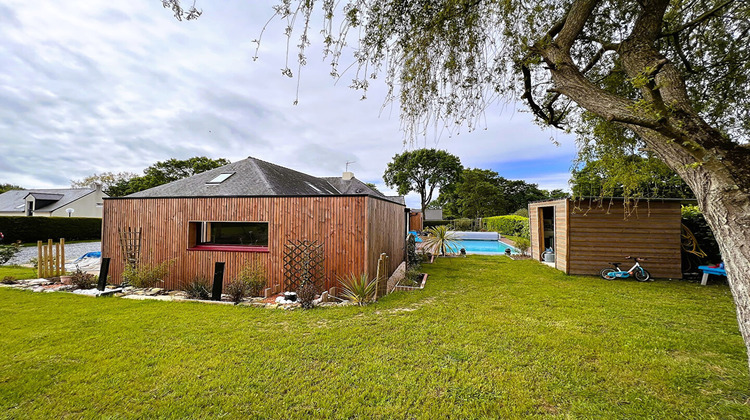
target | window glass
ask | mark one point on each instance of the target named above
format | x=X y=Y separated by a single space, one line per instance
x=234 y=233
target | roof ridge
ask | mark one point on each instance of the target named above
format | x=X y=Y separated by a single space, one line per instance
x=263 y=176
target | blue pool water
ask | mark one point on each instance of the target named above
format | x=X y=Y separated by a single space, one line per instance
x=484 y=247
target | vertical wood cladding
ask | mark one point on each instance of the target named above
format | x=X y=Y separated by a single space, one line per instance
x=589 y=236
x=341 y=222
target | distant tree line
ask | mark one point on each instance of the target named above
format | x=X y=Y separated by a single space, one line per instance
x=124 y=183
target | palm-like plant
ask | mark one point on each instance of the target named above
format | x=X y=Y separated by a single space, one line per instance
x=440 y=240
x=358 y=289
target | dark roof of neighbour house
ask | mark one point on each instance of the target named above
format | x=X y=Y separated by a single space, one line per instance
x=15 y=200
x=255 y=177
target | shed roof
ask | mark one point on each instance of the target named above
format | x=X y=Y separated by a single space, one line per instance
x=255 y=177
x=15 y=200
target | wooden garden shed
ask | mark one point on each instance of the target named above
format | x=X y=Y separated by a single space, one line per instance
x=245 y=214
x=587 y=234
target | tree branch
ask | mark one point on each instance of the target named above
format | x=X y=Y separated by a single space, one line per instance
x=698 y=20
x=574 y=22
x=529 y=97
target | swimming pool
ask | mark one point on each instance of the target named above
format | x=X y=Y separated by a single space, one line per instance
x=484 y=247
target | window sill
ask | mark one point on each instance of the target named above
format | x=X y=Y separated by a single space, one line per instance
x=229 y=248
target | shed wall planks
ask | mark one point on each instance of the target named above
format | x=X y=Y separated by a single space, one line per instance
x=339 y=221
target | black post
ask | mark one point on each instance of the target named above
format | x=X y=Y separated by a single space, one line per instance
x=218 y=281
x=103 y=271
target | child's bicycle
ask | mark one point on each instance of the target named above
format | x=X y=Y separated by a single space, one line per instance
x=637 y=271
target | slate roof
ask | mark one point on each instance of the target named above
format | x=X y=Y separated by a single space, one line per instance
x=253 y=176
x=15 y=200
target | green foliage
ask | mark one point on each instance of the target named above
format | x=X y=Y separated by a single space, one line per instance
x=146 y=275
x=508 y=225
x=9 y=280
x=432 y=223
x=462 y=224
x=422 y=171
x=412 y=277
x=482 y=193
x=81 y=280
x=8 y=187
x=608 y=170
x=523 y=212
x=7 y=252
x=412 y=257
x=163 y=172
x=32 y=229
x=358 y=288
x=106 y=179
x=440 y=240
x=694 y=220
x=523 y=244
x=197 y=288
x=254 y=277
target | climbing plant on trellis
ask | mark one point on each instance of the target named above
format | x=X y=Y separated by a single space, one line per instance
x=303 y=264
x=130 y=245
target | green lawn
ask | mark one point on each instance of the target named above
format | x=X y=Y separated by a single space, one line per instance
x=488 y=338
x=17 y=272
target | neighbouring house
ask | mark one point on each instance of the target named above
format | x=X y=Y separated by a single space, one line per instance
x=587 y=234
x=245 y=214
x=433 y=214
x=66 y=202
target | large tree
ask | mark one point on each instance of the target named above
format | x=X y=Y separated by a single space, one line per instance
x=422 y=171
x=161 y=173
x=676 y=73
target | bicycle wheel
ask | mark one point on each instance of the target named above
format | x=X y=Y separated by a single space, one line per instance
x=607 y=273
x=642 y=275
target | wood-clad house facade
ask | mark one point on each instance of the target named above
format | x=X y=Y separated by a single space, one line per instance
x=354 y=223
x=586 y=235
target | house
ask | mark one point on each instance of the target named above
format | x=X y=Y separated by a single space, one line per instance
x=587 y=234
x=433 y=214
x=76 y=202
x=246 y=213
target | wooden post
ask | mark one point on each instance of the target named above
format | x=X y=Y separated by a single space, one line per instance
x=39 y=259
x=62 y=256
x=57 y=259
x=50 y=261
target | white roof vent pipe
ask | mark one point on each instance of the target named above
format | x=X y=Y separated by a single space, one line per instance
x=347 y=176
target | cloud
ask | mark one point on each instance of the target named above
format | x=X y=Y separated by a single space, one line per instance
x=91 y=87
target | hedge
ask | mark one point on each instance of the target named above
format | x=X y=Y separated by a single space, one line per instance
x=32 y=229
x=431 y=223
x=510 y=225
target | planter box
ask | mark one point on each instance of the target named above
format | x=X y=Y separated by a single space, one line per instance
x=410 y=288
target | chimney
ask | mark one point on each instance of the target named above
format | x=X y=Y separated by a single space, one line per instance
x=347 y=176
x=96 y=186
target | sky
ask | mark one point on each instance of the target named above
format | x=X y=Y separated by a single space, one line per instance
x=94 y=86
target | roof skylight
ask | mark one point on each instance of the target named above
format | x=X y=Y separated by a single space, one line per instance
x=221 y=178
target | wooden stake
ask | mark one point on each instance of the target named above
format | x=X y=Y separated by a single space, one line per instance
x=62 y=255
x=39 y=259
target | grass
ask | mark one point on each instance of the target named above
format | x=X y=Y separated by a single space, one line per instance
x=17 y=271
x=488 y=338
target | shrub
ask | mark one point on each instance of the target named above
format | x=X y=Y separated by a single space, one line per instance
x=237 y=290
x=523 y=245
x=463 y=224
x=8 y=280
x=32 y=229
x=198 y=288
x=9 y=251
x=254 y=279
x=430 y=223
x=146 y=275
x=306 y=295
x=358 y=289
x=508 y=225
x=523 y=212
x=412 y=278
x=440 y=240
x=412 y=257
x=81 y=280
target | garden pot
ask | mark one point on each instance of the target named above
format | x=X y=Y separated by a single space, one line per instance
x=66 y=279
